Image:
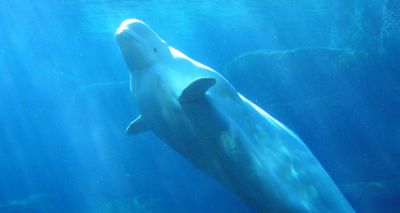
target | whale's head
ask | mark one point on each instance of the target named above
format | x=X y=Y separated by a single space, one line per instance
x=140 y=45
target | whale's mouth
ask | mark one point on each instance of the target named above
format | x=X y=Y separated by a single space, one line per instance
x=133 y=36
x=124 y=30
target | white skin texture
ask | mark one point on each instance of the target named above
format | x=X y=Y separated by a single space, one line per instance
x=221 y=132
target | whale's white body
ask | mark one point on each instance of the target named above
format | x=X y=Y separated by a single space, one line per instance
x=199 y=114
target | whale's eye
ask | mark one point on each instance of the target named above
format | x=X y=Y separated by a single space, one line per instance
x=155 y=49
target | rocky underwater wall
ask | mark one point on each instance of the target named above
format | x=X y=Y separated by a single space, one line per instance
x=342 y=99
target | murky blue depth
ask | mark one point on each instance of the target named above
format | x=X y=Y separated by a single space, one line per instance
x=327 y=69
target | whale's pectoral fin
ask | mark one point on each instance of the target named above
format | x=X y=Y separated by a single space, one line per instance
x=137 y=126
x=196 y=89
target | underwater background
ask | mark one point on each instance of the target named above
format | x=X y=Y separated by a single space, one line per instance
x=328 y=69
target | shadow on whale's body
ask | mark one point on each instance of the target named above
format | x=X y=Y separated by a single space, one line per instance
x=198 y=113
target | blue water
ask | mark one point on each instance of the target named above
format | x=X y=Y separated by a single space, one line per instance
x=327 y=69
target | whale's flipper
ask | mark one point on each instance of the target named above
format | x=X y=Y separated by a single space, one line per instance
x=196 y=89
x=137 y=126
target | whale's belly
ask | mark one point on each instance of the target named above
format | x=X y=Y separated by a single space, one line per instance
x=254 y=156
x=241 y=146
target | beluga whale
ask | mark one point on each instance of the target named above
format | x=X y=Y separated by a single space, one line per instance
x=199 y=114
